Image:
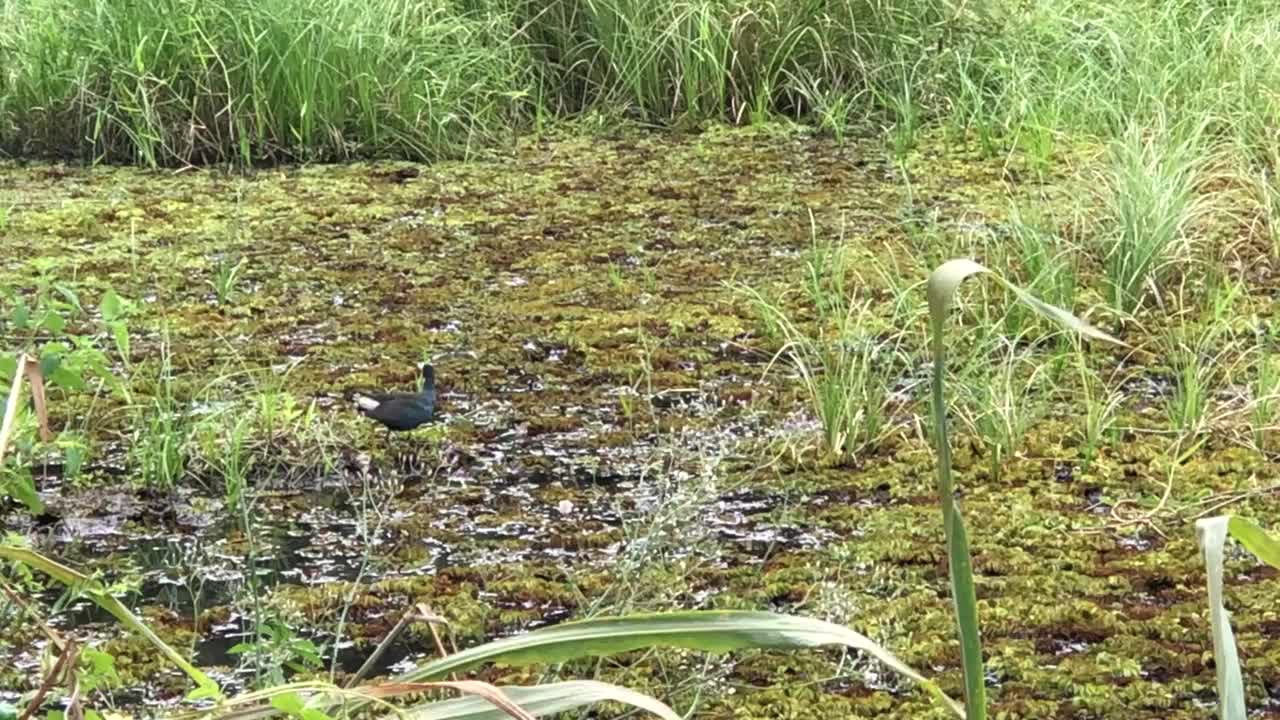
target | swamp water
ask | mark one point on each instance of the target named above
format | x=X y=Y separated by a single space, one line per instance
x=611 y=439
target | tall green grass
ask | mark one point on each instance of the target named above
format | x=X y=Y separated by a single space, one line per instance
x=738 y=60
x=847 y=361
x=1097 y=67
x=176 y=81
x=179 y=81
x=1153 y=202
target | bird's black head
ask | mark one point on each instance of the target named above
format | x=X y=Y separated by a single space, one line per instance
x=428 y=379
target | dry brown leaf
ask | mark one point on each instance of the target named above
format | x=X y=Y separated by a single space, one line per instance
x=11 y=408
x=36 y=379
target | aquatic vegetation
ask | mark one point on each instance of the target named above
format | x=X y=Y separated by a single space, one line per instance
x=165 y=84
x=1153 y=201
x=1264 y=406
x=1200 y=358
x=45 y=330
x=1102 y=405
x=276 y=647
x=161 y=442
x=224 y=439
x=847 y=371
x=712 y=631
x=94 y=590
x=1003 y=397
x=1042 y=261
x=226 y=275
x=544 y=500
x=159 y=83
x=294 y=79
x=115 y=312
x=17 y=482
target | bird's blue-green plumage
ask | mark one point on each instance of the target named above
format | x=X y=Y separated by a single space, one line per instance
x=402 y=411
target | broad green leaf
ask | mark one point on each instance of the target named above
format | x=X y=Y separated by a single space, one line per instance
x=941 y=289
x=292 y=704
x=94 y=590
x=1212 y=536
x=8 y=711
x=542 y=700
x=102 y=669
x=490 y=693
x=706 y=630
x=74 y=453
x=948 y=276
x=21 y=316
x=120 y=332
x=964 y=593
x=943 y=283
x=111 y=307
x=66 y=377
x=22 y=488
x=289 y=702
x=54 y=323
x=1255 y=540
x=50 y=360
x=69 y=295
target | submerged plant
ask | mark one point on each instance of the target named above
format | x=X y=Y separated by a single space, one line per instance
x=943 y=283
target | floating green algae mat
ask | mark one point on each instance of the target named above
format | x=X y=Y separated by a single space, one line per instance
x=614 y=441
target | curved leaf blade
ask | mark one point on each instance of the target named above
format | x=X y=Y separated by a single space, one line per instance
x=493 y=698
x=543 y=700
x=1255 y=540
x=947 y=277
x=705 y=630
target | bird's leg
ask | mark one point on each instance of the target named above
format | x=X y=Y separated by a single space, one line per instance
x=417 y=453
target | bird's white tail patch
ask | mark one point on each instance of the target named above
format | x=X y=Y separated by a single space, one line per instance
x=366 y=403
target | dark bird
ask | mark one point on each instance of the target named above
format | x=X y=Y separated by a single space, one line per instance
x=401 y=411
